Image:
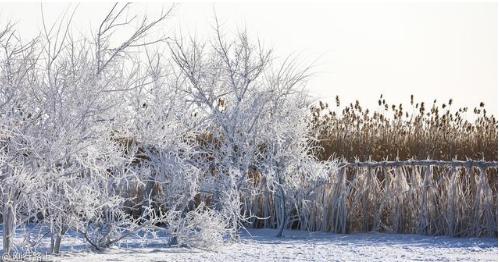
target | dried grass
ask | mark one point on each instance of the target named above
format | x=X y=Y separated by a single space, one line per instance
x=431 y=200
x=393 y=132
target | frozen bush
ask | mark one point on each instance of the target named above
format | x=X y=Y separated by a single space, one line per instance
x=199 y=228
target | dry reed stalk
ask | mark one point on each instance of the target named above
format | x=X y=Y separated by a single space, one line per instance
x=433 y=198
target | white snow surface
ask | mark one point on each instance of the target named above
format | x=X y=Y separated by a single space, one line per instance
x=262 y=245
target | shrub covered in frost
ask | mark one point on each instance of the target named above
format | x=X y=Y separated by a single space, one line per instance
x=200 y=228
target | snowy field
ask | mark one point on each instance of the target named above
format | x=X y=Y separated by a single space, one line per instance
x=261 y=245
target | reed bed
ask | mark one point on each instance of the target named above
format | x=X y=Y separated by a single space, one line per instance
x=454 y=198
x=440 y=131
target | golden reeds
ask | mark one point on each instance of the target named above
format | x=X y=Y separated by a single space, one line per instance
x=441 y=132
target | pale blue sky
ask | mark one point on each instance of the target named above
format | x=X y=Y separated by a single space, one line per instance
x=433 y=50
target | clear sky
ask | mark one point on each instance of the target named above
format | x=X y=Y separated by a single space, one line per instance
x=434 y=50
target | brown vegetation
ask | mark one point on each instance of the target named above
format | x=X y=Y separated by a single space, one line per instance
x=441 y=132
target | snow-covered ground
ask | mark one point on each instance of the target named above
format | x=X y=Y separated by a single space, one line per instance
x=261 y=245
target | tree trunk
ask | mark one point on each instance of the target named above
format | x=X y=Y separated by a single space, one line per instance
x=55 y=242
x=283 y=220
x=147 y=195
x=9 y=225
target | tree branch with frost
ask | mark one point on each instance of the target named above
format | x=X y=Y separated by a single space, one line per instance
x=115 y=19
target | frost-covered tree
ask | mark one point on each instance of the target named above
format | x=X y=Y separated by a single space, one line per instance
x=63 y=98
x=19 y=117
x=118 y=73
x=160 y=135
x=251 y=112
